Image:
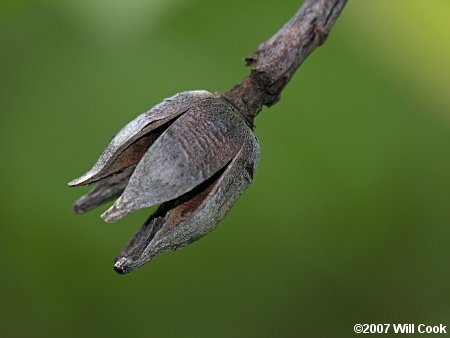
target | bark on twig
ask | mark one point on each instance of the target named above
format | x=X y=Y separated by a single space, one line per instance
x=275 y=61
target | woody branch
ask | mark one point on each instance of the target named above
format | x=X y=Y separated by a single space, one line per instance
x=275 y=61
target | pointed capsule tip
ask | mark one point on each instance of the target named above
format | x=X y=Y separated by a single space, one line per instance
x=78 y=209
x=117 y=211
x=120 y=266
x=80 y=180
x=88 y=177
x=73 y=183
x=108 y=217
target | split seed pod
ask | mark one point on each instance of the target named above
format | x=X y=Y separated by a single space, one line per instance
x=193 y=153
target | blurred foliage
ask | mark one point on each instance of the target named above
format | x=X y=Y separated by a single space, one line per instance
x=348 y=217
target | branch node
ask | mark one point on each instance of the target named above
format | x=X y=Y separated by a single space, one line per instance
x=275 y=61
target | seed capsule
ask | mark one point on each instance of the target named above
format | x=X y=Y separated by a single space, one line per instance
x=194 y=154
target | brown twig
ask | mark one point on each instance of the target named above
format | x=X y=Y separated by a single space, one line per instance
x=275 y=61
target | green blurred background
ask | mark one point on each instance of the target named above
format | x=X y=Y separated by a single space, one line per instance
x=347 y=220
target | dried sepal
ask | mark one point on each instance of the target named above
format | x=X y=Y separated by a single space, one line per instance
x=194 y=154
x=197 y=145
x=180 y=222
x=104 y=191
x=133 y=140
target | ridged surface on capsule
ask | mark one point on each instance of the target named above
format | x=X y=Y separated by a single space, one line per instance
x=194 y=217
x=197 y=145
x=193 y=154
x=131 y=142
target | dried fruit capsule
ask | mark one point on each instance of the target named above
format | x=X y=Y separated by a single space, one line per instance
x=194 y=154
